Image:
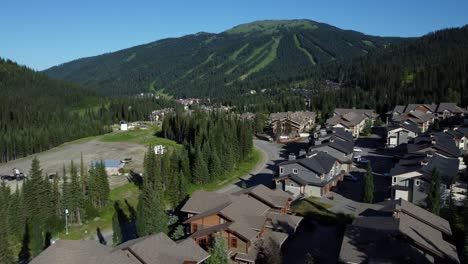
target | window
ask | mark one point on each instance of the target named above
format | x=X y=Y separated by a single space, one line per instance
x=281 y=170
x=417 y=182
x=292 y=184
x=394 y=179
x=234 y=242
x=194 y=228
x=295 y=171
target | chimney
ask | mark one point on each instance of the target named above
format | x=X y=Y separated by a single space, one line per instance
x=424 y=162
x=292 y=157
x=332 y=139
x=396 y=214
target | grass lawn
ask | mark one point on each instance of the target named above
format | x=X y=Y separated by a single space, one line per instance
x=128 y=191
x=243 y=169
x=144 y=137
x=316 y=210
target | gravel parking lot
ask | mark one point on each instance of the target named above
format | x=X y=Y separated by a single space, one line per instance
x=53 y=160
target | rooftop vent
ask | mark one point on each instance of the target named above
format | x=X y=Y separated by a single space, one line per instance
x=292 y=157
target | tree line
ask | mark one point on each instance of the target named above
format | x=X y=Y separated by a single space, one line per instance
x=31 y=215
x=38 y=113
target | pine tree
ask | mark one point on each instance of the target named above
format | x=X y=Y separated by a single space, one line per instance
x=368 y=185
x=6 y=254
x=200 y=169
x=218 y=251
x=116 y=224
x=37 y=238
x=83 y=175
x=76 y=196
x=151 y=215
x=178 y=232
x=25 y=254
x=433 y=197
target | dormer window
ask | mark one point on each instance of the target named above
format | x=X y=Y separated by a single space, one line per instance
x=281 y=170
x=295 y=171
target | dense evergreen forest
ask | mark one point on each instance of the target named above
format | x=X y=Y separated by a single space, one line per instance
x=433 y=68
x=256 y=55
x=38 y=113
x=216 y=142
x=32 y=215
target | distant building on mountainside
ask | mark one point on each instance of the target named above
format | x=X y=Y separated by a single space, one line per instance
x=424 y=114
x=292 y=124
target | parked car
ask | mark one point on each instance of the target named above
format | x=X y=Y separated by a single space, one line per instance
x=8 y=178
x=350 y=177
x=355 y=149
x=20 y=177
x=363 y=161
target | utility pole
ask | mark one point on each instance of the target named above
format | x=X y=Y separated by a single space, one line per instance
x=66 y=221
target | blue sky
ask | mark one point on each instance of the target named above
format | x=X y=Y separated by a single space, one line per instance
x=44 y=33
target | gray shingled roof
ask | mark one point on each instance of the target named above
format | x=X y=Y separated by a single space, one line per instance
x=371 y=237
x=452 y=107
x=81 y=251
x=274 y=198
x=201 y=201
x=159 y=248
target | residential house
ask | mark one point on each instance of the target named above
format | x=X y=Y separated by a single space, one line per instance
x=448 y=110
x=412 y=176
x=352 y=120
x=424 y=114
x=336 y=142
x=401 y=133
x=158 y=115
x=400 y=232
x=292 y=124
x=157 y=248
x=247 y=116
x=460 y=136
x=244 y=219
x=313 y=175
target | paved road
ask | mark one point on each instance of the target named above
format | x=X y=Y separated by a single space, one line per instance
x=262 y=173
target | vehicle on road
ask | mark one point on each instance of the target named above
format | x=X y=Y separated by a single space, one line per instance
x=363 y=161
x=350 y=177
x=355 y=149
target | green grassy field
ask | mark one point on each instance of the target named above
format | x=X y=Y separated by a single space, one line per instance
x=144 y=137
x=241 y=170
x=127 y=192
x=269 y=58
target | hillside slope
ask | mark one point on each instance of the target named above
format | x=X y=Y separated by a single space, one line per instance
x=433 y=68
x=248 y=56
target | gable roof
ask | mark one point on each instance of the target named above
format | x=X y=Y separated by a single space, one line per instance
x=451 y=107
x=159 y=248
x=274 y=198
x=82 y=251
x=422 y=229
x=202 y=201
x=319 y=163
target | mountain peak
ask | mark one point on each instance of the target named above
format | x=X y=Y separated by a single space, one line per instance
x=272 y=26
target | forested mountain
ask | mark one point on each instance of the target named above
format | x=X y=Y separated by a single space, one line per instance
x=256 y=55
x=433 y=68
x=38 y=113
